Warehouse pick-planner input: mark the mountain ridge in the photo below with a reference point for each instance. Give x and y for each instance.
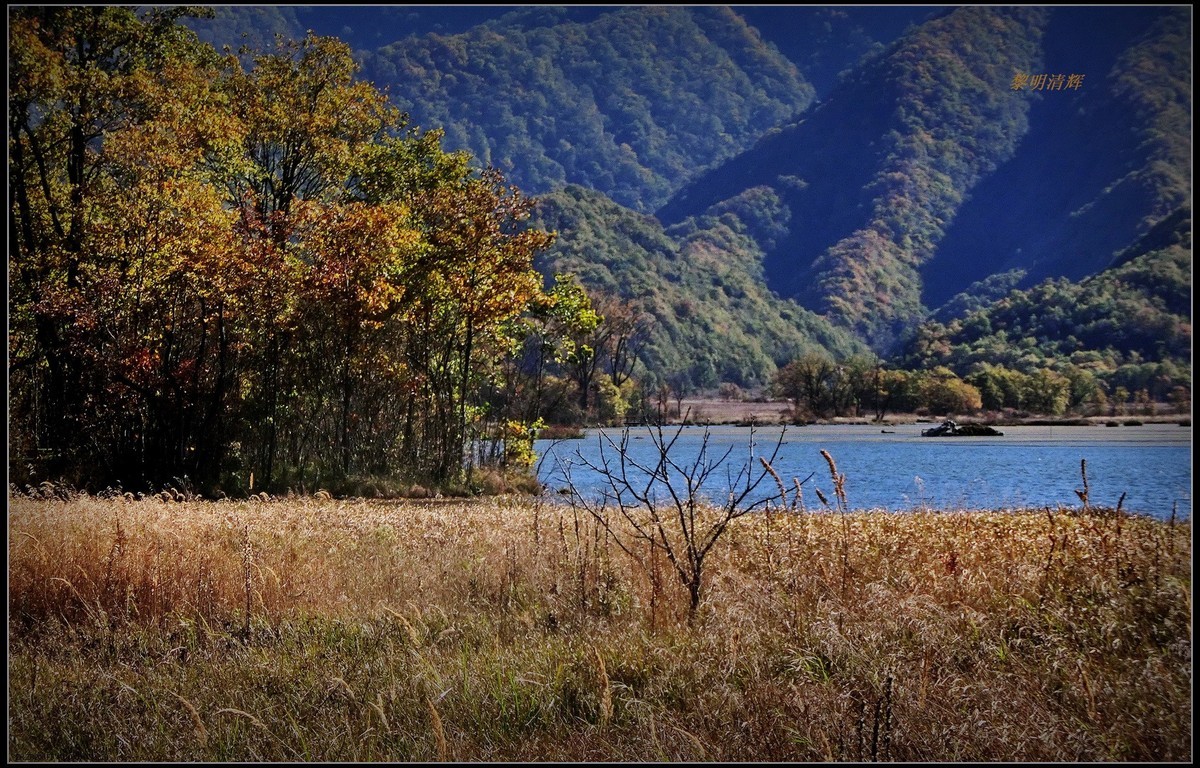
(901, 172)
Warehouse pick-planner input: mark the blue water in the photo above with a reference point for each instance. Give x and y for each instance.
(1027, 467)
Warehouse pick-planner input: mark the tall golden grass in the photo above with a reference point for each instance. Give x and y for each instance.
(501, 629)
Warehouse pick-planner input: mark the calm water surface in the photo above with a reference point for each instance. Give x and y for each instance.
(1030, 466)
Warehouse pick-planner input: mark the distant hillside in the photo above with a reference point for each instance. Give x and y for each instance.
(925, 172)
(1129, 324)
(630, 103)
(873, 174)
(1098, 167)
(707, 79)
(713, 318)
(763, 179)
(824, 42)
(362, 27)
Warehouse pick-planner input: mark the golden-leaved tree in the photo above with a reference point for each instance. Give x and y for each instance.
(220, 272)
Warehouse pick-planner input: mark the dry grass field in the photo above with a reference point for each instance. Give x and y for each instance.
(513, 629)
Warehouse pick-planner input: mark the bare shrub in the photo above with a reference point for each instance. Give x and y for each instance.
(666, 506)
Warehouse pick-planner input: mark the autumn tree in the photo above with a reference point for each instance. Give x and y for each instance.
(306, 128)
(220, 274)
(999, 387)
(1047, 392)
(407, 265)
(404, 310)
(481, 276)
(808, 382)
(943, 392)
(119, 306)
(626, 331)
(884, 390)
(546, 350)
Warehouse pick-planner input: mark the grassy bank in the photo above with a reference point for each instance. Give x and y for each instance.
(323, 630)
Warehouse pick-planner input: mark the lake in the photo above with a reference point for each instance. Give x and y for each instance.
(1029, 466)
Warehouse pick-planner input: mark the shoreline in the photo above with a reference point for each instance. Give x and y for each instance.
(713, 412)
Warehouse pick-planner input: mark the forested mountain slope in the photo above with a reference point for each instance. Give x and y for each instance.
(629, 103)
(554, 91)
(872, 176)
(1098, 167)
(927, 172)
(1130, 324)
(710, 316)
(864, 168)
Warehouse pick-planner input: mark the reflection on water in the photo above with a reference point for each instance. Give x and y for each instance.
(1030, 466)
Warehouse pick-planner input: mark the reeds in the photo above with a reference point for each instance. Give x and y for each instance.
(349, 631)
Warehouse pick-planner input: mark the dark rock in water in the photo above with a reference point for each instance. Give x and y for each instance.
(949, 428)
(978, 430)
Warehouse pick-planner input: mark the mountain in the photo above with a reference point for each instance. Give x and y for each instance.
(1118, 152)
(1131, 321)
(713, 319)
(925, 171)
(630, 100)
(826, 42)
(871, 176)
(629, 103)
(362, 27)
(766, 179)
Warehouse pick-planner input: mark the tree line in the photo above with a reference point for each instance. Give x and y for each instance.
(245, 271)
(820, 386)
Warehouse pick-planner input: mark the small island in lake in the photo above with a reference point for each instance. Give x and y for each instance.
(949, 428)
